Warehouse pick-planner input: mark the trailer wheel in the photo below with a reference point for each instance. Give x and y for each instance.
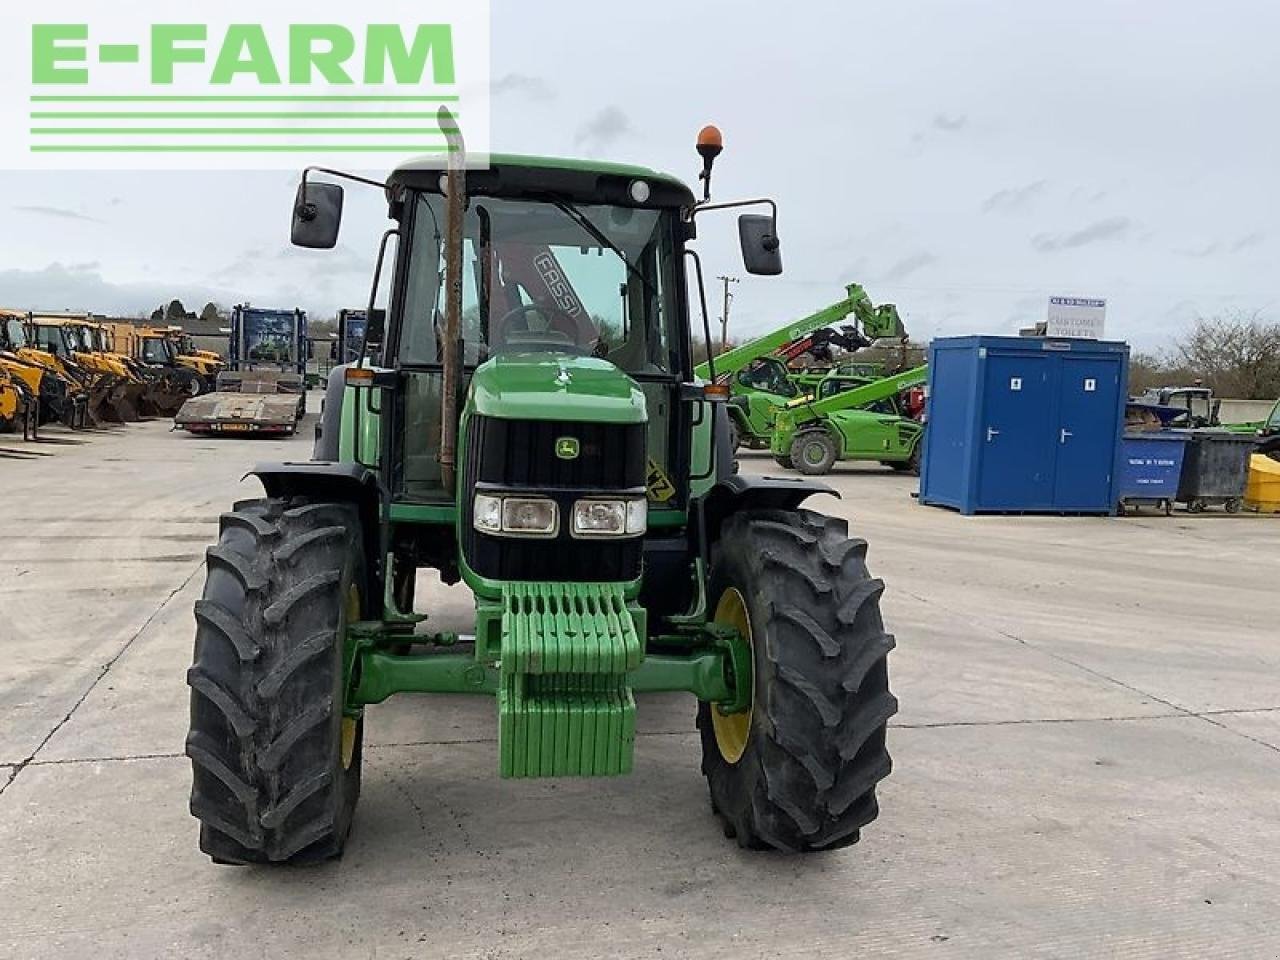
(1233, 505)
(275, 761)
(813, 452)
(798, 770)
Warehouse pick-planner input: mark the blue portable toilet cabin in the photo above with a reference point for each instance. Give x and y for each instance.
(1024, 424)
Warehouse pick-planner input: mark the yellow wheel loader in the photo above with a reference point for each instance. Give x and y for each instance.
(17, 406)
(113, 392)
(154, 356)
(61, 392)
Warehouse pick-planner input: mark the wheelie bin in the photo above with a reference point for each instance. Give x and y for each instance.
(1215, 469)
(1150, 469)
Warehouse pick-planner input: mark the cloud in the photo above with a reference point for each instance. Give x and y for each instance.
(606, 127)
(1110, 228)
(945, 121)
(58, 212)
(1208, 250)
(82, 287)
(1013, 198)
(534, 88)
(907, 266)
(1245, 242)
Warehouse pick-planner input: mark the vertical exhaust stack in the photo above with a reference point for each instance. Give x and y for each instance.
(456, 184)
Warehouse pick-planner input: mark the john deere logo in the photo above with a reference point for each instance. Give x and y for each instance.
(567, 448)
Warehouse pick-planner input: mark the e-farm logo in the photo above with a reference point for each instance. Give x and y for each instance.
(148, 84)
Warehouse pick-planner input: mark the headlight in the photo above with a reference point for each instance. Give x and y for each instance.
(529, 516)
(515, 516)
(609, 518)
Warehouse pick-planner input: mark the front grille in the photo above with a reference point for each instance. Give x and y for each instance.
(520, 455)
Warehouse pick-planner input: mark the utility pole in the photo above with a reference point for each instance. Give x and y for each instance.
(724, 317)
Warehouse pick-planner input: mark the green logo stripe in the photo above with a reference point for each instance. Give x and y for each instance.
(238, 148)
(243, 99)
(246, 131)
(225, 115)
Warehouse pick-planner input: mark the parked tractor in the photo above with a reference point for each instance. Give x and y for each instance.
(532, 428)
(263, 390)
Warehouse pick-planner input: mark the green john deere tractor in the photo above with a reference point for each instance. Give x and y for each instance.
(533, 428)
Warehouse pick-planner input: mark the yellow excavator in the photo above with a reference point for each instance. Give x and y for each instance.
(58, 388)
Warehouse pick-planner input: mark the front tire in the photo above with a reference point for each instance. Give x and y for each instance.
(799, 771)
(814, 453)
(275, 762)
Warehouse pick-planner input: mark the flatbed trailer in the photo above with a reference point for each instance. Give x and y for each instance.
(263, 391)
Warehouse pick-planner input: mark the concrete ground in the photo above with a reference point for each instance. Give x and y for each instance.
(1087, 757)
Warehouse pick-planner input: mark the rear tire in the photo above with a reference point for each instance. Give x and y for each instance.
(814, 453)
(275, 763)
(814, 749)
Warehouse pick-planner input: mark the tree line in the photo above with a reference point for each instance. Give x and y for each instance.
(1237, 354)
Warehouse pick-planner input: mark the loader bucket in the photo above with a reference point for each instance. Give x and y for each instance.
(100, 407)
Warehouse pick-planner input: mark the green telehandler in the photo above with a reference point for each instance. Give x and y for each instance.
(759, 374)
(532, 428)
(860, 421)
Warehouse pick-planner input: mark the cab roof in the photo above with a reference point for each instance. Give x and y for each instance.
(519, 175)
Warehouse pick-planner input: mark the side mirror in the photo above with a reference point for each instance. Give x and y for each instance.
(376, 331)
(761, 253)
(317, 215)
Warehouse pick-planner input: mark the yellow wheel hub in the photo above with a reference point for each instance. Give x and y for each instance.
(349, 724)
(733, 730)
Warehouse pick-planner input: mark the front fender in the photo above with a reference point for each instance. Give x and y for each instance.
(735, 493)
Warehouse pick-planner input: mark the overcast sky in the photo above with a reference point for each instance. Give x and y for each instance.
(965, 160)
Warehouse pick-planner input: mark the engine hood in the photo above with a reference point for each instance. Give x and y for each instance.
(555, 386)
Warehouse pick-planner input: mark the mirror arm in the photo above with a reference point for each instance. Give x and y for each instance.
(731, 204)
(306, 212)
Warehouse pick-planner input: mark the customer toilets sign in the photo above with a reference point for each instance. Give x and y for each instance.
(1081, 317)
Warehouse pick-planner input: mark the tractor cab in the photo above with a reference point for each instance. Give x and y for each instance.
(1196, 405)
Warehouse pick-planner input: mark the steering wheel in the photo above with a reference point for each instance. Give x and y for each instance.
(522, 313)
(524, 310)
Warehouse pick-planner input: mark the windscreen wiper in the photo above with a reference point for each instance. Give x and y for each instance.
(578, 217)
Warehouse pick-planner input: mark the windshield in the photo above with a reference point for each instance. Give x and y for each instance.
(156, 350)
(591, 279)
(1274, 422)
(268, 337)
(356, 324)
(15, 333)
(769, 375)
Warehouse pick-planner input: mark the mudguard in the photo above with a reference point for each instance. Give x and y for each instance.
(736, 492)
(333, 482)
